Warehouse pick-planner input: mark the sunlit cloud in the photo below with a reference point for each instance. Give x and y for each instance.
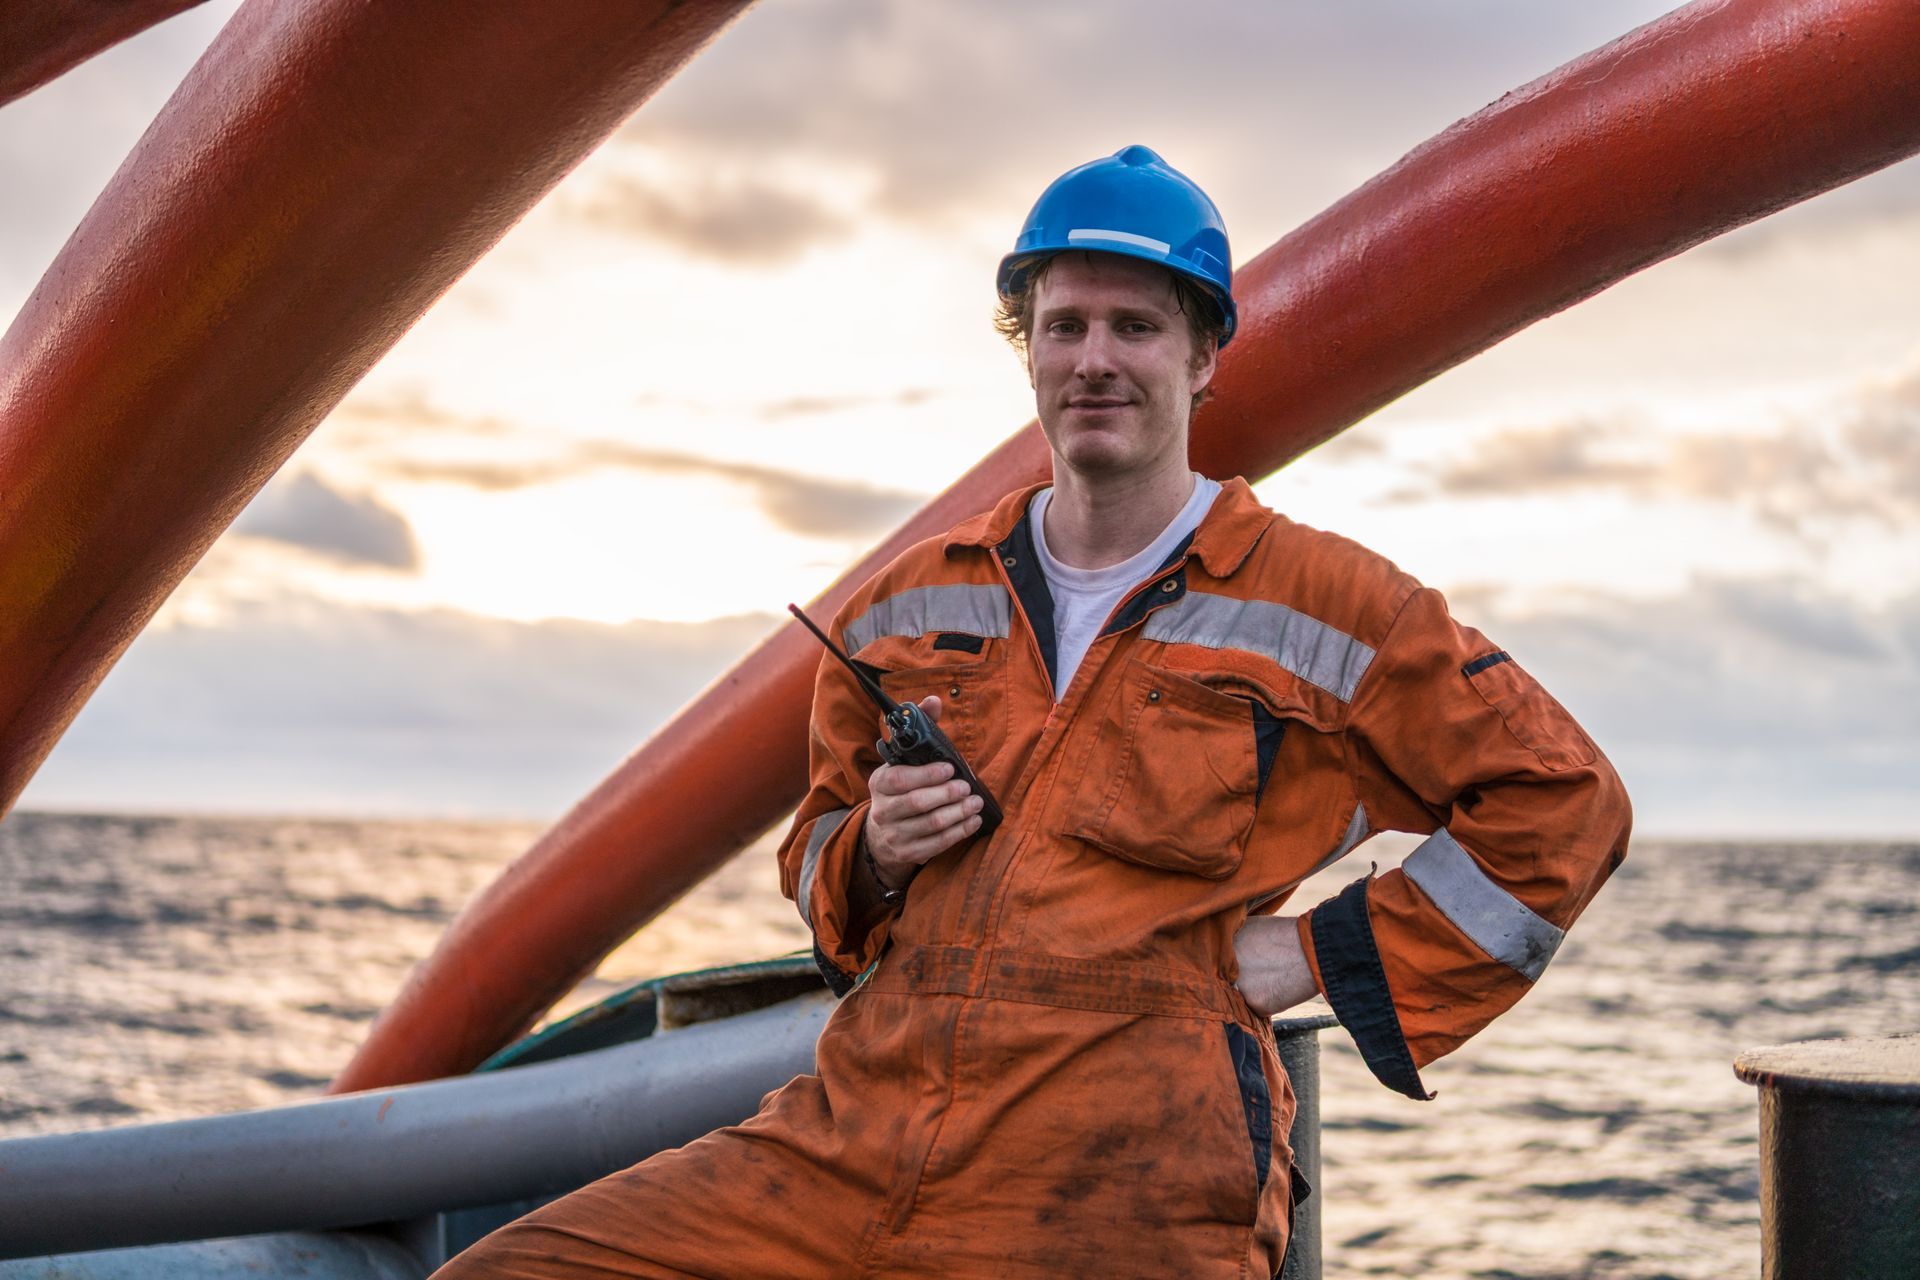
(808, 406)
(745, 223)
(1858, 459)
(1568, 456)
(812, 506)
(366, 421)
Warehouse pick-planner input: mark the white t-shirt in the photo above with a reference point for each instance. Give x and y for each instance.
(1083, 599)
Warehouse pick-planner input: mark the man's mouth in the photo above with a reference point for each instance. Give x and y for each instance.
(1098, 402)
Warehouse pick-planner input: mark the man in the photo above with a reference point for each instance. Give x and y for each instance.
(1056, 1059)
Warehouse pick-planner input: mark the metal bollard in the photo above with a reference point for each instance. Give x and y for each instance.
(1298, 1040)
(1839, 1157)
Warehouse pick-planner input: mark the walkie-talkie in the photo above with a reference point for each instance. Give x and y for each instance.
(911, 737)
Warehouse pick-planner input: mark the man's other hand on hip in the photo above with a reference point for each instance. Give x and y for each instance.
(1273, 969)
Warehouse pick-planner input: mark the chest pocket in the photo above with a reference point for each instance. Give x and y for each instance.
(1176, 773)
(973, 703)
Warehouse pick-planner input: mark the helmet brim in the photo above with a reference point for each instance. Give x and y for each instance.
(1018, 265)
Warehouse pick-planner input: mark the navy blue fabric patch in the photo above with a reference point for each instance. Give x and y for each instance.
(1357, 989)
(959, 640)
(1022, 563)
(1254, 1098)
(1164, 591)
(1269, 731)
(1478, 665)
(838, 979)
(1136, 609)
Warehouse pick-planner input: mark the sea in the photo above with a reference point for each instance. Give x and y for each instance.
(154, 968)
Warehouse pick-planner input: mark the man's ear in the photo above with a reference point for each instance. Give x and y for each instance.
(1203, 366)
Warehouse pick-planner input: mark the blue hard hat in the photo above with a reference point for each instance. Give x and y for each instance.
(1134, 203)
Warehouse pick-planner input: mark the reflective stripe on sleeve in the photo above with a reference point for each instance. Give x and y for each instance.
(977, 610)
(1317, 653)
(823, 828)
(1499, 923)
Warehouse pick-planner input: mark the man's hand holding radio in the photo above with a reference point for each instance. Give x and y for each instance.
(918, 813)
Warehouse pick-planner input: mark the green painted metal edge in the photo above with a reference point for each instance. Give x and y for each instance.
(542, 1044)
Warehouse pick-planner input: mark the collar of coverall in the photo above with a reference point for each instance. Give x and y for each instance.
(1227, 532)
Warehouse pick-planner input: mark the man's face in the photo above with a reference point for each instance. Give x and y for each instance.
(1113, 367)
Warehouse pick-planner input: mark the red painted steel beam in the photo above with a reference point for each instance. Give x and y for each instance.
(323, 174)
(43, 39)
(1710, 117)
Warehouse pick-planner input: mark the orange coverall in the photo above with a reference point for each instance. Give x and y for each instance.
(1047, 1070)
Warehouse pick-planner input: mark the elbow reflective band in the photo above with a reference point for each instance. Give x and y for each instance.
(1317, 653)
(980, 611)
(1498, 923)
(823, 828)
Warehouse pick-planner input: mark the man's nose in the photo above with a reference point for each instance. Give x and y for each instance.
(1096, 362)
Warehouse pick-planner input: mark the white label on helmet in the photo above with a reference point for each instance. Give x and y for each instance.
(1120, 237)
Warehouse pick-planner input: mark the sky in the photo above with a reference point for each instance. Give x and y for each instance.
(750, 334)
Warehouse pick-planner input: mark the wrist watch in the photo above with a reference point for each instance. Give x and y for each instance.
(891, 897)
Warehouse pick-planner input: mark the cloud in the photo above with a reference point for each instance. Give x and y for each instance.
(953, 110)
(293, 706)
(804, 504)
(1350, 446)
(1859, 459)
(366, 421)
(809, 505)
(833, 509)
(745, 222)
(1562, 457)
(1795, 618)
(1885, 429)
(807, 406)
(1737, 706)
(302, 511)
(376, 431)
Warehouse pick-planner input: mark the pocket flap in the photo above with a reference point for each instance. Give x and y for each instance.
(1173, 777)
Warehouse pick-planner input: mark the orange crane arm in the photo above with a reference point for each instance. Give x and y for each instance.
(323, 174)
(43, 39)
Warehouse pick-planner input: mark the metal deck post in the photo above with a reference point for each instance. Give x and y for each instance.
(1298, 1040)
(1839, 1157)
